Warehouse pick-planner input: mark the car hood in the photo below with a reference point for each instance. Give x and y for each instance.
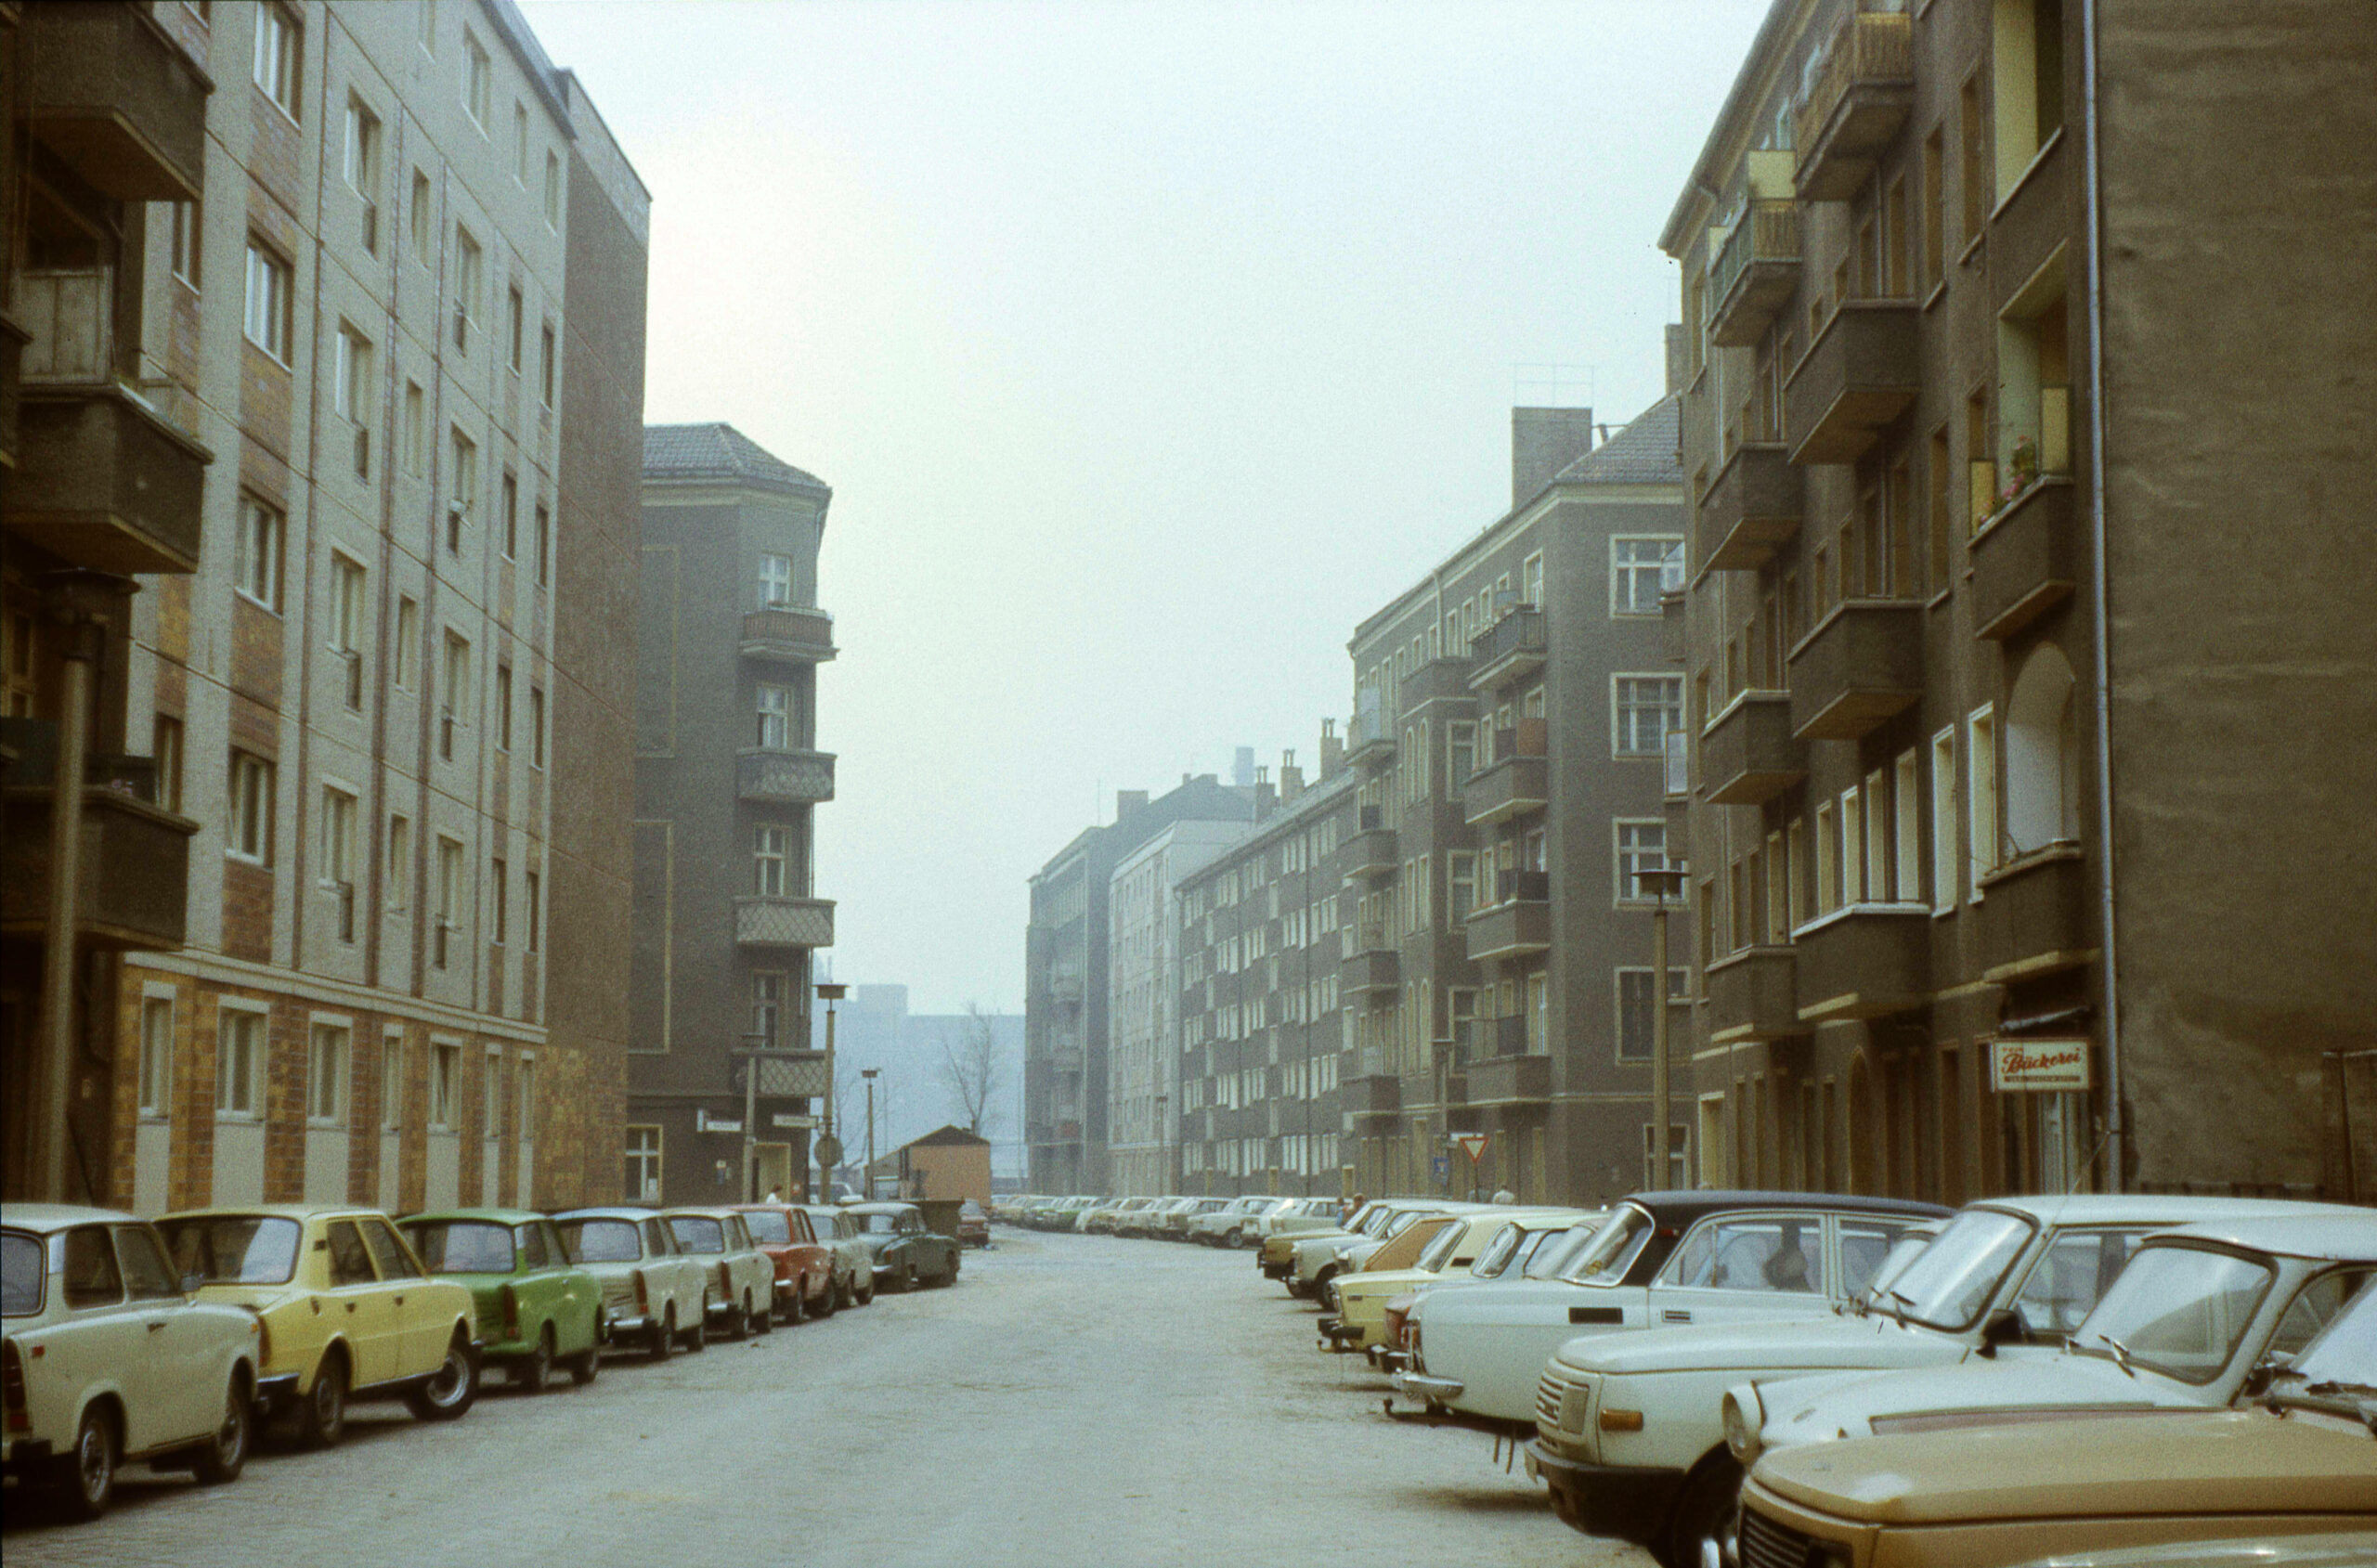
(1387, 1282)
(1817, 1343)
(1975, 1392)
(2201, 1463)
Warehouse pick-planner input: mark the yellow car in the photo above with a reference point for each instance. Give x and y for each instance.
(346, 1309)
(1360, 1322)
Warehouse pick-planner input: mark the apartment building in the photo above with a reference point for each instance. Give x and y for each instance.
(298, 342)
(1512, 710)
(2003, 719)
(1066, 980)
(1260, 1047)
(728, 777)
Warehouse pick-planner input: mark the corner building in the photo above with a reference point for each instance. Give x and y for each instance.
(1998, 737)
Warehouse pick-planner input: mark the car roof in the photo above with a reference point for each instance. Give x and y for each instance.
(2349, 1235)
(47, 1217)
(880, 1207)
(276, 1210)
(2149, 1208)
(698, 1210)
(495, 1216)
(609, 1212)
(1683, 1208)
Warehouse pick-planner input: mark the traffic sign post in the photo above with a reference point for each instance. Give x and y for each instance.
(1474, 1145)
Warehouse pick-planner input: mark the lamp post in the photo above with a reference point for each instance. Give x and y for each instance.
(829, 1146)
(866, 1172)
(1164, 1141)
(1664, 883)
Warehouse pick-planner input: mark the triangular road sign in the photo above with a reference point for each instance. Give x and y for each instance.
(1472, 1144)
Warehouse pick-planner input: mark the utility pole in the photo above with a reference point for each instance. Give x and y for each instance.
(866, 1172)
(829, 1146)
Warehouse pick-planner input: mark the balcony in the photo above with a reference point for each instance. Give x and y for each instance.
(2025, 560)
(1753, 995)
(134, 876)
(1747, 751)
(101, 481)
(1521, 923)
(1751, 506)
(788, 634)
(117, 99)
(1862, 665)
(1858, 376)
(764, 921)
(1373, 964)
(13, 338)
(1512, 648)
(1862, 93)
(1674, 606)
(1373, 1088)
(1755, 274)
(784, 778)
(1369, 740)
(1515, 1080)
(2036, 915)
(1372, 854)
(1066, 1058)
(1437, 680)
(1864, 961)
(1515, 782)
(1065, 986)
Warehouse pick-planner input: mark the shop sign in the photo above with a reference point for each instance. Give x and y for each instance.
(2039, 1065)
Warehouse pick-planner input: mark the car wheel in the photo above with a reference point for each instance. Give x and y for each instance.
(865, 1293)
(1233, 1240)
(84, 1479)
(764, 1317)
(534, 1371)
(828, 1303)
(664, 1335)
(227, 1453)
(587, 1366)
(1704, 1510)
(323, 1415)
(697, 1337)
(738, 1321)
(907, 1279)
(453, 1388)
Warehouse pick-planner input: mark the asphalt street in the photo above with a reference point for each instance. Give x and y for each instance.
(1072, 1400)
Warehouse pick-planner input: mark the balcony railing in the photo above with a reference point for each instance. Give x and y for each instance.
(1516, 783)
(2036, 916)
(764, 921)
(1862, 665)
(1753, 505)
(1519, 924)
(1864, 961)
(1369, 961)
(1512, 648)
(1857, 376)
(135, 856)
(1438, 679)
(1752, 996)
(2025, 560)
(1374, 851)
(1510, 1080)
(784, 778)
(788, 634)
(1863, 91)
(1065, 986)
(1747, 751)
(1369, 739)
(69, 315)
(1755, 273)
(103, 482)
(1066, 1058)
(116, 98)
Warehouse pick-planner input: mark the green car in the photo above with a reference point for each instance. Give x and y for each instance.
(535, 1306)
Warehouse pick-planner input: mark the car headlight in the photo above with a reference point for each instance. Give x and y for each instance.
(1745, 1413)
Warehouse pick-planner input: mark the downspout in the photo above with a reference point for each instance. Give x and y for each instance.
(2100, 601)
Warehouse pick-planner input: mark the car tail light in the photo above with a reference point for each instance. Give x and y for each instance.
(510, 1314)
(12, 1381)
(643, 1297)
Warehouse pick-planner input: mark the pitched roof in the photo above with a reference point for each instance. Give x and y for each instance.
(946, 1134)
(1646, 452)
(720, 453)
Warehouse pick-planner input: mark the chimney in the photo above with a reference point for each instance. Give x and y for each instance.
(1544, 441)
(1241, 768)
(1266, 798)
(1679, 359)
(1128, 801)
(1333, 750)
(1291, 779)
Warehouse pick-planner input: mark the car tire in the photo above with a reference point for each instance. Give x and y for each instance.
(664, 1333)
(763, 1318)
(738, 1321)
(322, 1417)
(452, 1389)
(219, 1460)
(697, 1337)
(532, 1372)
(828, 1303)
(1704, 1509)
(907, 1279)
(865, 1293)
(587, 1366)
(83, 1480)
(1233, 1240)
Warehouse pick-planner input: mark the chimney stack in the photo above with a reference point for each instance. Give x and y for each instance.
(1333, 750)
(1265, 798)
(1544, 441)
(1291, 779)
(1127, 802)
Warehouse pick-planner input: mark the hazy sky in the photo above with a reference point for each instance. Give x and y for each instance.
(1147, 347)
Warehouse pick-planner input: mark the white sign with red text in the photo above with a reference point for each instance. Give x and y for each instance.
(2038, 1066)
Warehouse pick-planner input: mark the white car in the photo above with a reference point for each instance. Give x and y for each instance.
(740, 1280)
(853, 1261)
(1661, 1258)
(109, 1359)
(651, 1293)
(1230, 1225)
(1629, 1429)
(1509, 1255)
(1314, 1261)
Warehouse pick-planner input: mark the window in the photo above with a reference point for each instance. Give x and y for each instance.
(767, 1005)
(338, 856)
(519, 143)
(536, 726)
(478, 74)
(270, 293)
(425, 15)
(400, 874)
(18, 636)
(1646, 708)
(445, 1070)
(1935, 209)
(422, 218)
(189, 239)
(326, 1065)
(516, 328)
(457, 704)
(278, 34)
(469, 266)
(1907, 847)
(1974, 175)
(545, 546)
(775, 581)
(533, 905)
(545, 365)
(770, 849)
(256, 552)
(466, 488)
(643, 1165)
(511, 502)
(249, 832)
(166, 749)
(776, 717)
(1531, 581)
(1642, 846)
(1765, 1255)
(1638, 569)
(407, 671)
(392, 1081)
(1980, 823)
(449, 893)
(2027, 85)
(156, 1057)
(239, 1063)
(504, 708)
(499, 877)
(553, 193)
(363, 168)
(2042, 748)
(415, 429)
(351, 386)
(1945, 808)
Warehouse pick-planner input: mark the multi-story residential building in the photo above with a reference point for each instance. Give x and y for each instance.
(2027, 809)
(1262, 1032)
(727, 782)
(1143, 996)
(911, 1053)
(343, 276)
(1065, 981)
(1511, 718)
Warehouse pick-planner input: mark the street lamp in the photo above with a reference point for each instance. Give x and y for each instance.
(1164, 1141)
(1664, 884)
(829, 1148)
(866, 1172)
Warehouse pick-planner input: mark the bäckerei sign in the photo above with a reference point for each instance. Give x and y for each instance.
(2038, 1066)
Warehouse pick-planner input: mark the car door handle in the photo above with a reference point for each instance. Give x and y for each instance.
(350, 1306)
(1674, 1315)
(156, 1326)
(400, 1301)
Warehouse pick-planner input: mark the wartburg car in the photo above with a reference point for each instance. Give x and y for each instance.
(906, 1254)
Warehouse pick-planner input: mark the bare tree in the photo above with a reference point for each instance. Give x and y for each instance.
(971, 1069)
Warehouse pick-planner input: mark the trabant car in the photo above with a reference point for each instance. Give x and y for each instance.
(1361, 1297)
(1629, 1429)
(1661, 1258)
(1109, 1217)
(2303, 1460)
(109, 1359)
(906, 1254)
(652, 1293)
(741, 1278)
(1396, 1253)
(536, 1309)
(1317, 1260)
(1227, 1224)
(1299, 1215)
(1292, 1253)
(1156, 1220)
(853, 1258)
(347, 1312)
(804, 1265)
(1511, 1253)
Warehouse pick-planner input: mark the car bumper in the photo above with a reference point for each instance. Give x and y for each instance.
(617, 1329)
(1385, 1360)
(1277, 1271)
(276, 1393)
(1338, 1334)
(1428, 1390)
(1630, 1502)
(27, 1455)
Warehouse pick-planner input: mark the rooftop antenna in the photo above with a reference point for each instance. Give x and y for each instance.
(1551, 385)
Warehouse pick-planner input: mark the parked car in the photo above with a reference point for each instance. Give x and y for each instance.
(347, 1311)
(1314, 1260)
(1227, 1224)
(1630, 1435)
(1703, 1258)
(1396, 1253)
(535, 1308)
(2303, 1461)
(1361, 1298)
(110, 1360)
(1509, 1255)
(973, 1225)
(1109, 1218)
(906, 1255)
(1275, 1253)
(741, 1278)
(1299, 1215)
(653, 1292)
(2343, 1549)
(1153, 1220)
(853, 1258)
(804, 1265)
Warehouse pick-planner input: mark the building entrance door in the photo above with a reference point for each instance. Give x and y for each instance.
(772, 1171)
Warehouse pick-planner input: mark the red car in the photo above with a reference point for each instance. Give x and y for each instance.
(804, 1265)
(973, 1225)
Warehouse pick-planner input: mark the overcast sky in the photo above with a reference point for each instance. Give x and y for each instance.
(1147, 347)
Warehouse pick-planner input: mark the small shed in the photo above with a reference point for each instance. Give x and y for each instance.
(947, 1162)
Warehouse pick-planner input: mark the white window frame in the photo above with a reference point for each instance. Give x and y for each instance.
(269, 321)
(775, 570)
(158, 1014)
(648, 1157)
(1622, 857)
(330, 1040)
(445, 1083)
(1624, 565)
(241, 1098)
(392, 1080)
(249, 809)
(479, 71)
(279, 52)
(1980, 796)
(1947, 811)
(256, 552)
(772, 731)
(1618, 709)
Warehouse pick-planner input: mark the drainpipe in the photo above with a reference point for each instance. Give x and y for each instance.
(2099, 604)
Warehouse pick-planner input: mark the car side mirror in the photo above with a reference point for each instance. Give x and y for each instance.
(191, 1281)
(2004, 1328)
(2265, 1372)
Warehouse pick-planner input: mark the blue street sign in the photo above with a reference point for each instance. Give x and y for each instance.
(1441, 1166)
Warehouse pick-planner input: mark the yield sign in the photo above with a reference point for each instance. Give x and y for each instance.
(1472, 1144)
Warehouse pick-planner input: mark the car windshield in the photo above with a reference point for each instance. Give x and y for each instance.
(1604, 1259)
(462, 1246)
(769, 1228)
(234, 1249)
(601, 1241)
(1903, 1251)
(2341, 1361)
(695, 1233)
(879, 1225)
(1951, 1283)
(21, 1275)
(1551, 1257)
(1498, 1251)
(2179, 1310)
(1438, 1253)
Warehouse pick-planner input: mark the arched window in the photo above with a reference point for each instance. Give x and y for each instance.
(2043, 753)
